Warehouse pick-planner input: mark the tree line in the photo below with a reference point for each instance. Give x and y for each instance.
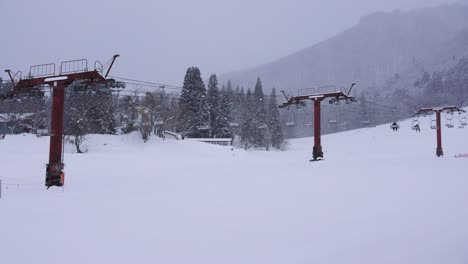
(227, 112)
(196, 112)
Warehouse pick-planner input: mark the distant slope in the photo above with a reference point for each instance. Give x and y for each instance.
(378, 47)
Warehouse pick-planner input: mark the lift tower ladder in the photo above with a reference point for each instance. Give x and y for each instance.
(317, 98)
(438, 111)
(67, 76)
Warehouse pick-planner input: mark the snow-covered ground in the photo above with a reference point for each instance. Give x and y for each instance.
(379, 197)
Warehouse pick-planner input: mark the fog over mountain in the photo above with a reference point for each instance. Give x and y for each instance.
(159, 40)
(380, 46)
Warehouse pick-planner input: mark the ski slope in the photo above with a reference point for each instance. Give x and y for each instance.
(379, 197)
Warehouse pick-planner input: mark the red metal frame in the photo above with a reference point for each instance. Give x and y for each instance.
(11, 76)
(54, 170)
(438, 111)
(112, 64)
(317, 152)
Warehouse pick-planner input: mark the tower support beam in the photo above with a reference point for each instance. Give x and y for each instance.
(317, 150)
(317, 98)
(438, 112)
(54, 170)
(439, 151)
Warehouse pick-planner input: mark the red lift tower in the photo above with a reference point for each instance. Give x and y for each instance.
(71, 72)
(438, 111)
(317, 98)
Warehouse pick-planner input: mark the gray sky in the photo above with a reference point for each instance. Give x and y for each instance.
(158, 40)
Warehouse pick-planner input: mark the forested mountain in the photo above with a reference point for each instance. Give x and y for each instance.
(399, 60)
(373, 51)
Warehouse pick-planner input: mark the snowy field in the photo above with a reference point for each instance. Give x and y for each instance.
(379, 197)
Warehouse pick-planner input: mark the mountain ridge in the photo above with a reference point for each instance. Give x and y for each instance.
(379, 46)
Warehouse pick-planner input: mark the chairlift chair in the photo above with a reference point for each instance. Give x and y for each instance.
(433, 122)
(449, 119)
(159, 122)
(334, 101)
(291, 118)
(290, 124)
(462, 118)
(305, 120)
(449, 123)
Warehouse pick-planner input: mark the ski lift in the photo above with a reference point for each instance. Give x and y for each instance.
(300, 105)
(433, 122)
(334, 120)
(159, 122)
(334, 101)
(365, 122)
(291, 119)
(203, 127)
(234, 124)
(305, 121)
(449, 119)
(42, 132)
(344, 125)
(262, 126)
(462, 118)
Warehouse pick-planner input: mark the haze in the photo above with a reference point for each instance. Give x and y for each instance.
(158, 40)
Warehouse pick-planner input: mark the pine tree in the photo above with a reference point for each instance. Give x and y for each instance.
(224, 117)
(259, 112)
(248, 123)
(275, 131)
(194, 113)
(214, 105)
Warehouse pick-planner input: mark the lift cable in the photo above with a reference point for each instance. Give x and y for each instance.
(147, 83)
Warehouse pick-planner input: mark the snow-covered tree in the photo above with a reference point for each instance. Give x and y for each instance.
(248, 127)
(194, 120)
(224, 116)
(128, 113)
(259, 112)
(214, 105)
(275, 131)
(77, 111)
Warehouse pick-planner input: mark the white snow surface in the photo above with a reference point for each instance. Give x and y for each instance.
(378, 197)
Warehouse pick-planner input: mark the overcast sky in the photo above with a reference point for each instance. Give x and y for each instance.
(158, 40)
